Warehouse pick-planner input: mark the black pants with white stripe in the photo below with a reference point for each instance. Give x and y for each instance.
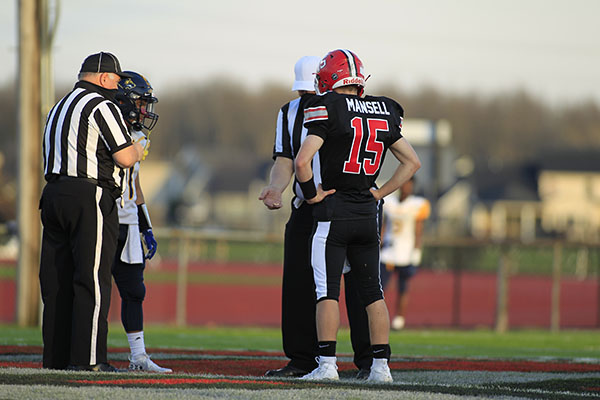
(78, 247)
(298, 319)
(334, 242)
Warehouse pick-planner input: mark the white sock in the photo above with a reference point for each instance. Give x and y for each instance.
(330, 360)
(136, 344)
(379, 362)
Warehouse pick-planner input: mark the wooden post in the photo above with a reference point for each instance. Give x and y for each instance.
(221, 250)
(555, 303)
(598, 294)
(182, 282)
(456, 287)
(30, 165)
(502, 286)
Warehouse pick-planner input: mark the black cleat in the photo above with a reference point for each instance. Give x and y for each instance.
(286, 372)
(363, 374)
(101, 367)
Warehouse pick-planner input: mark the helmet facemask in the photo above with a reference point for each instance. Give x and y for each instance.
(137, 102)
(146, 117)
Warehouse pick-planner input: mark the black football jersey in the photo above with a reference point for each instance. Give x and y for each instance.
(357, 133)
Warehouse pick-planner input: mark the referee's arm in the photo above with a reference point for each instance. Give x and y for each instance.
(114, 132)
(127, 157)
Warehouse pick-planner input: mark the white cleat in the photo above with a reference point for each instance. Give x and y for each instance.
(144, 363)
(380, 373)
(325, 371)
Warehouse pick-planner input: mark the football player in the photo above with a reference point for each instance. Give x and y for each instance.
(401, 251)
(351, 134)
(136, 100)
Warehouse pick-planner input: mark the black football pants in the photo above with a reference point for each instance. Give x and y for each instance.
(357, 241)
(298, 319)
(78, 246)
(130, 282)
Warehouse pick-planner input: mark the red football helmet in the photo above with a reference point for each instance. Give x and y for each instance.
(339, 68)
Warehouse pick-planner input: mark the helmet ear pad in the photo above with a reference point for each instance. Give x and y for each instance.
(130, 111)
(134, 118)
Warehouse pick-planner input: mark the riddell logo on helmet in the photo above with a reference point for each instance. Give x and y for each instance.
(353, 81)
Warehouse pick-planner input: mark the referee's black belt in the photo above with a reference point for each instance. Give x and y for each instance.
(57, 178)
(115, 191)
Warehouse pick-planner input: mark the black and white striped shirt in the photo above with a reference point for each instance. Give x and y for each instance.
(289, 135)
(82, 132)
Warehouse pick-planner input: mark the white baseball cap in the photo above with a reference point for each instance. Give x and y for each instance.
(305, 69)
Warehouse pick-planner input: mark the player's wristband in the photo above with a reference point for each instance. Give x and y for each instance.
(143, 217)
(308, 188)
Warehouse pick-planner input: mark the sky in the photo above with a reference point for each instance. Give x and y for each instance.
(550, 48)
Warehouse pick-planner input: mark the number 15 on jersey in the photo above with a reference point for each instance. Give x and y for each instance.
(355, 162)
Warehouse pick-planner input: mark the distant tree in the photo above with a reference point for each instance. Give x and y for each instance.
(579, 125)
(221, 120)
(505, 128)
(8, 137)
(8, 153)
(225, 122)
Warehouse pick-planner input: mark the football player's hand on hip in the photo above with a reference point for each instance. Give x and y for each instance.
(321, 194)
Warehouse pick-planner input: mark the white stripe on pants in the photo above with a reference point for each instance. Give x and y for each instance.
(318, 262)
(97, 294)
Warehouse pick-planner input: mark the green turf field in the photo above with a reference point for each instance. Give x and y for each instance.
(229, 363)
(443, 343)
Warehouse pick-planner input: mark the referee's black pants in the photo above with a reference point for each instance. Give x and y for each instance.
(298, 305)
(78, 247)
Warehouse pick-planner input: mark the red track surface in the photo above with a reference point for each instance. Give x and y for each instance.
(433, 299)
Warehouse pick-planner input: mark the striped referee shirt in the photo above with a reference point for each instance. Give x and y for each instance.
(289, 135)
(82, 132)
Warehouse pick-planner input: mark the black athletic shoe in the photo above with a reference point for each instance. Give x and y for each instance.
(102, 367)
(286, 372)
(363, 374)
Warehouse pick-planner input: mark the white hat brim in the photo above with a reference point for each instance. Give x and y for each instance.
(304, 85)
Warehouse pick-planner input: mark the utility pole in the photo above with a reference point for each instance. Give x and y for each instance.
(48, 24)
(29, 127)
(35, 39)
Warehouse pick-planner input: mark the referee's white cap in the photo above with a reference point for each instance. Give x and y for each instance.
(305, 69)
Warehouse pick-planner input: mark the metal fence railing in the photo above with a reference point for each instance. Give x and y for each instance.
(554, 259)
(551, 258)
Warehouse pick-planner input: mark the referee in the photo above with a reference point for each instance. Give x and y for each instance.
(85, 145)
(298, 320)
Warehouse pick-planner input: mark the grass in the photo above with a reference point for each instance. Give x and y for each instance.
(413, 382)
(427, 343)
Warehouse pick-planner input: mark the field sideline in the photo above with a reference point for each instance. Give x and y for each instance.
(229, 362)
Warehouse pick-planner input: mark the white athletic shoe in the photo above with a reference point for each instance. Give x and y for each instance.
(144, 363)
(380, 372)
(325, 371)
(398, 323)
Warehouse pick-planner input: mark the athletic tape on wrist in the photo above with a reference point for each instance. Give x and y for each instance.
(144, 217)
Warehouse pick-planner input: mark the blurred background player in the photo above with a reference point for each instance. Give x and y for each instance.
(136, 101)
(351, 135)
(298, 319)
(401, 252)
